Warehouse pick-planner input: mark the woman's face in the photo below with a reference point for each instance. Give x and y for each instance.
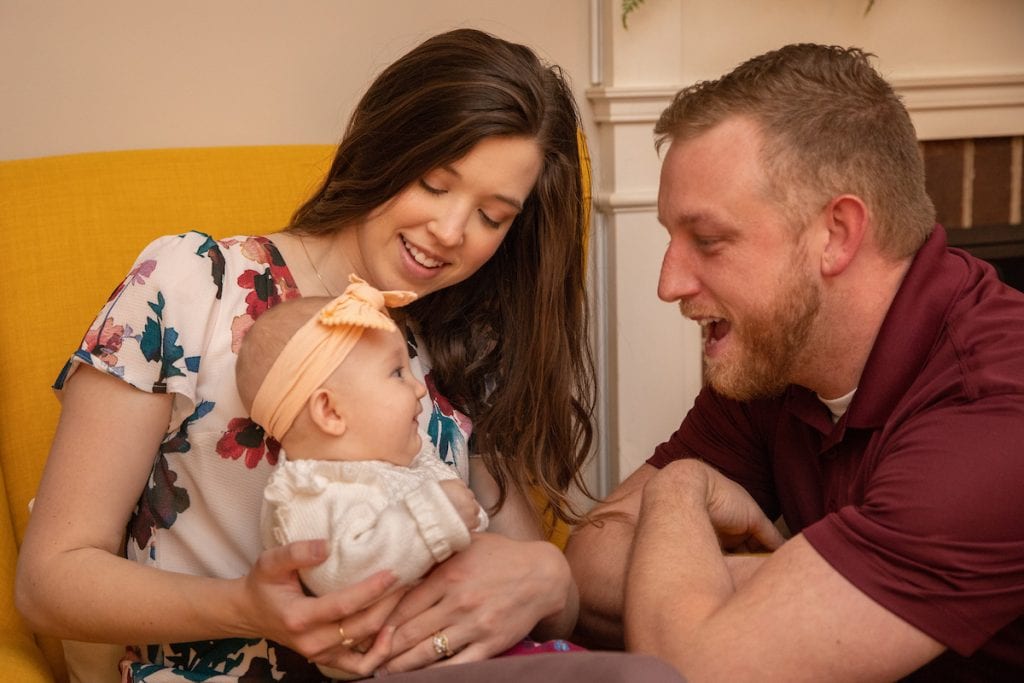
(442, 228)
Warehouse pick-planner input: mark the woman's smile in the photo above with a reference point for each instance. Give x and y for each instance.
(421, 256)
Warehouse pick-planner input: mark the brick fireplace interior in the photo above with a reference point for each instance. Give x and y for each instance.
(975, 184)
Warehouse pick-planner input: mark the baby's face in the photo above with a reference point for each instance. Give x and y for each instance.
(380, 398)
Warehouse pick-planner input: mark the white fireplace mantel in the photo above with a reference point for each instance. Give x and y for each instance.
(958, 66)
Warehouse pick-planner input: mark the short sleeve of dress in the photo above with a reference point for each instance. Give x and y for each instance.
(150, 331)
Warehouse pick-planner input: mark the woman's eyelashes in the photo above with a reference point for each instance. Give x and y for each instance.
(491, 222)
(430, 188)
(488, 220)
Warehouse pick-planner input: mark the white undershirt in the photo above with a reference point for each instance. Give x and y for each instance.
(838, 406)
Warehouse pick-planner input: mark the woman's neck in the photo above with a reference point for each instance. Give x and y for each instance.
(317, 262)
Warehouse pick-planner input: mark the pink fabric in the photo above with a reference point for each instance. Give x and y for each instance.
(532, 647)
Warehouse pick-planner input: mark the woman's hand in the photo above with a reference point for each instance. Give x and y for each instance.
(483, 600)
(278, 609)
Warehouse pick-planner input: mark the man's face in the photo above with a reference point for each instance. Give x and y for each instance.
(735, 263)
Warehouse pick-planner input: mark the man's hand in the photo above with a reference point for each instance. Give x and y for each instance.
(794, 618)
(736, 518)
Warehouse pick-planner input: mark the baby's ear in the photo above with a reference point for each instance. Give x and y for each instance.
(325, 411)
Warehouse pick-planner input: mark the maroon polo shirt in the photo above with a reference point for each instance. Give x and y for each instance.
(916, 496)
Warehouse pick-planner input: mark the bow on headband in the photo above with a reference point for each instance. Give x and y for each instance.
(318, 348)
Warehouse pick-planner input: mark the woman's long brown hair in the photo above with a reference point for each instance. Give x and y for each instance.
(510, 344)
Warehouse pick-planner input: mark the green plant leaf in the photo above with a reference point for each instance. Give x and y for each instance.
(627, 7)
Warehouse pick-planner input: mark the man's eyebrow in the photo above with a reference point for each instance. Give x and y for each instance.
(511, 201)
(701, 218)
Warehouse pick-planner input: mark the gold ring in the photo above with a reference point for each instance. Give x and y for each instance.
(441, 645)
(345, 641)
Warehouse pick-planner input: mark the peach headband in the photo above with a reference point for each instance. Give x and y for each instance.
(317, 349)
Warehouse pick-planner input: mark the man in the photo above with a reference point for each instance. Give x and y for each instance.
(865, 385)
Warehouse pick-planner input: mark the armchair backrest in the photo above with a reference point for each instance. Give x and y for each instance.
(72, 226)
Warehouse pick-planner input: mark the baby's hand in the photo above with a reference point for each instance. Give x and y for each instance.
(463, 499)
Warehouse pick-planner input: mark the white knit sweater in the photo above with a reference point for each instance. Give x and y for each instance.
(374, 515)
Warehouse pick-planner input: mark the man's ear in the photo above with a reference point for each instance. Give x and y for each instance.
(846, 218)
(325, 412)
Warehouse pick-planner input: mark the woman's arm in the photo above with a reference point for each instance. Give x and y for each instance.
(73, 583)
(519, 519)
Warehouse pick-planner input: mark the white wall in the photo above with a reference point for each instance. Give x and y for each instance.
(958, 64)
(911, 37)
(113, 74)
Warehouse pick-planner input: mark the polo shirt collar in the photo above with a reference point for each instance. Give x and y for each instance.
(907, 335)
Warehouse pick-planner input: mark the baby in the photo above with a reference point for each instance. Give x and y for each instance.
(330, 380)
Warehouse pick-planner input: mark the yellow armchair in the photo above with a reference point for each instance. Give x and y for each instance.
(72, 225)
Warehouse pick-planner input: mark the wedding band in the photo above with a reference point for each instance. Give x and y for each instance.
(345, 641)
(441, 645)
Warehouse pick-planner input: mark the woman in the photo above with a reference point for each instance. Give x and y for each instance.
(458, 178)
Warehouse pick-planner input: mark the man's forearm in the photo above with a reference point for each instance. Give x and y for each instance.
(678, 576)
(598, 551)
(600, 574)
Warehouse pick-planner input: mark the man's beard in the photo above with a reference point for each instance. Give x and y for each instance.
(767, 343)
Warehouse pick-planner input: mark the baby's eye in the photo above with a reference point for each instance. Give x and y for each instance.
(398, 372)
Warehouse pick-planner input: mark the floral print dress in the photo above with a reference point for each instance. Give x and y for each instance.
(174, 326)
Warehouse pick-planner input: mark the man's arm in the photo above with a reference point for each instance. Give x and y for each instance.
(796, 618)
(598, 554)
(598, 551)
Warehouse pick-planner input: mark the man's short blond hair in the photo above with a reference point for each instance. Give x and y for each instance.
(831, 125)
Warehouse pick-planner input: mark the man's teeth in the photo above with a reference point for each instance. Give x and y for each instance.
(707, 326)
(422, 258)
